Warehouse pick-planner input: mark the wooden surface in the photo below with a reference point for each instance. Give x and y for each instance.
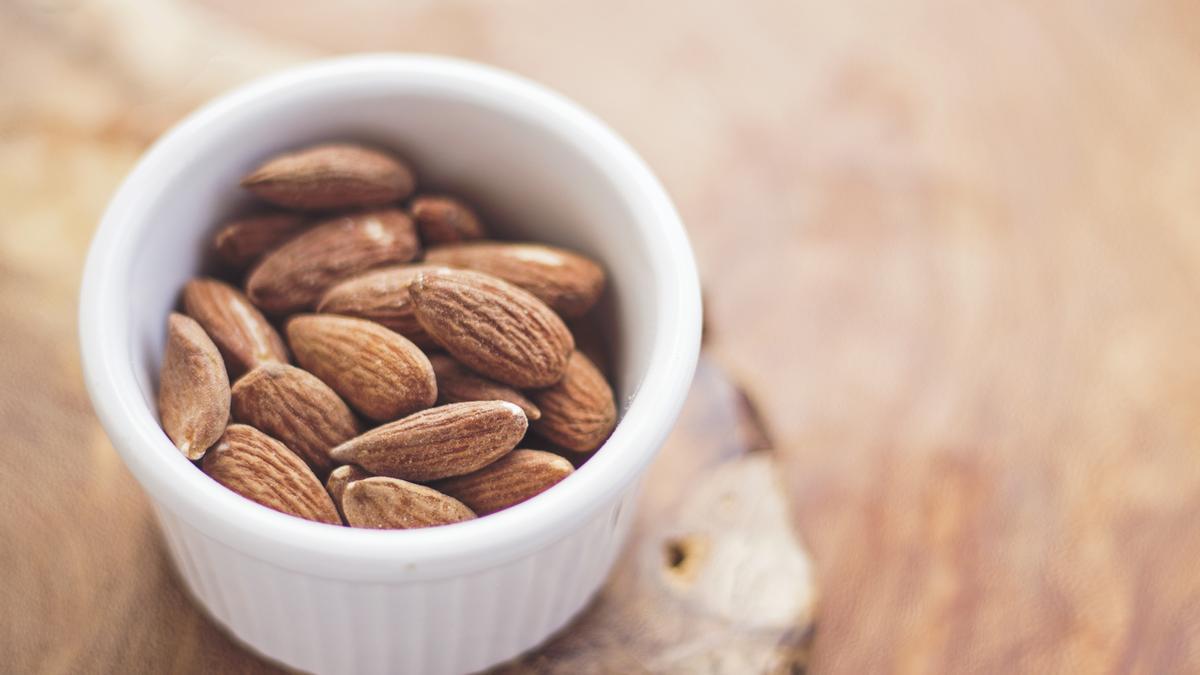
(951, 249)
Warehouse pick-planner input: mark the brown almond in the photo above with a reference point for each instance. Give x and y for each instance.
(242, 241)
(380, 295)
(379, 372)
(391, 504)
(579, 412)
(331, 176)
(457, 384)
(341, 477)
(297, 408)
(193, 388)
(510, 480)
(445, 220)
(449, 440)
(295, 275)
(263, 470)
(242, 334)
(566, 281)
(493, 327)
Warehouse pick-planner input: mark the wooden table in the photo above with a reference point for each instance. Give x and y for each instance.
(951, 250)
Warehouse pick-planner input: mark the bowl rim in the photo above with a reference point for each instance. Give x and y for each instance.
(314, 548)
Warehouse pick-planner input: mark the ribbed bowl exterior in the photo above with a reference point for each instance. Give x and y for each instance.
(459, 624)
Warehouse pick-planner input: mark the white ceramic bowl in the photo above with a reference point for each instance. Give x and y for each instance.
(441, 600)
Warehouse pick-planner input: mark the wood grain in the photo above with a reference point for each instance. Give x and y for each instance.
(951, 248)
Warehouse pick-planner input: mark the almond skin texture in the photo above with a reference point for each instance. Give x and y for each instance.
(579, 412)
(566, 281)
(239, 330)
(339, 479)
(193, 388)
(263, 470)
(445, 220)
(510, 480)
(457, 384)
(331, 176)
(493, 327)
(381, 296)
(380, 373)
(391, 504)
(449, 440)
(240, 242)
(297, 408)
(294, 276)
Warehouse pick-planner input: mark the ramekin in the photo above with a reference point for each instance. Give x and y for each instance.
(443, 600)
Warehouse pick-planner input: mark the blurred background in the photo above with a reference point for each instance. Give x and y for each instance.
(951, 254)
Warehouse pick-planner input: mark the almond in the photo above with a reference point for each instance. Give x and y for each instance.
(493, 327)
(240, 331)
(263, 470)
(331, 176)
(444, 220)
(293, 276)
(339, 479)
(450, 440)
(566, 281)
(456, 384)
(391, 504)
(579, 412)
(510, 480)
(381, 296)
(241, 242)
(380, 373)
(193, 388)
(297, 408)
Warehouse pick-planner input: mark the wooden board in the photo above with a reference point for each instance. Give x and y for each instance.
(951, 249)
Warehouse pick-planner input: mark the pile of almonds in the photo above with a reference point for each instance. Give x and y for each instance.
(415, 353)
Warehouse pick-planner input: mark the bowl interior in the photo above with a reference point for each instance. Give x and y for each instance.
(529, 183)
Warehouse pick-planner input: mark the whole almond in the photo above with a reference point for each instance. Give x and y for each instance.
(510, 480)
(457, 384)
(579, 412)
(493, 327)
(379, 372)
(331, 176)
(341, 477)
(392, 504)
(239, 330)
(449, 440)
(297, 408)
(193, 388)
(380, 295)
(263, 470)
(445, 220)
(295, 275)
(566, 281)
(242, 241)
